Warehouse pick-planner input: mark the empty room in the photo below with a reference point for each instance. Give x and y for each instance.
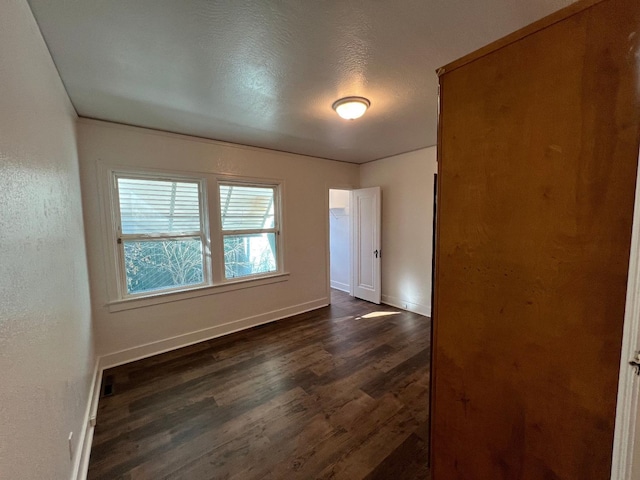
(319, 240)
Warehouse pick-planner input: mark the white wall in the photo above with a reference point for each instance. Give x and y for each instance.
(339, 240)
(46, 354)
(150, 329)
(407, 226)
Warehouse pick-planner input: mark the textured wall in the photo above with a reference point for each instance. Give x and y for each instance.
(407, 226)
(46, 354)
(305, 211)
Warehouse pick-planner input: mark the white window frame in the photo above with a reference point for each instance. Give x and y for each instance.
(277, 223)
(215, 281)
(120, 237)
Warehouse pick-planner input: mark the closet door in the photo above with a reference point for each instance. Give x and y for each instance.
(538, 151)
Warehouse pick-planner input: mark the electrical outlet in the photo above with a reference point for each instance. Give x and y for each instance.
(70, 445)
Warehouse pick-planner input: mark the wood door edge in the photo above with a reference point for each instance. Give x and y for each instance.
(549, 20)
(434, 306)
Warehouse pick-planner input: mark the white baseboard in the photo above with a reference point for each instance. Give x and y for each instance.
(83, 447)
(154, 348)
(343, 287)
(404, 304)
(81, 463)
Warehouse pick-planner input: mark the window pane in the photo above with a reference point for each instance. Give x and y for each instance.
(158, 206)
(161, 264)
(244, 208)
(249, 254)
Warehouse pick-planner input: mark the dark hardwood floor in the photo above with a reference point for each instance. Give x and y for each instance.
(328, 394)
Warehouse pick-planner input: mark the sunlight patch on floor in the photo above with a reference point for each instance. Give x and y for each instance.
(377, 314)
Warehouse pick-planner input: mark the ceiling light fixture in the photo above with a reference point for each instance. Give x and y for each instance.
(351, 108)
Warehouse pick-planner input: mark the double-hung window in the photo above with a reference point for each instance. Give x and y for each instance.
(165, 242)
(249, 228)
(160, 234)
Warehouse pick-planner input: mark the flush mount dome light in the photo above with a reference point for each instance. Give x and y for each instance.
(351, 108)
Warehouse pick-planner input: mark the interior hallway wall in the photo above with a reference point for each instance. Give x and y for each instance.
(407, 226)
(46, 353)
(339, 239)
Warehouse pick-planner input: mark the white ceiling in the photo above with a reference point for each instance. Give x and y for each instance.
(265, 73)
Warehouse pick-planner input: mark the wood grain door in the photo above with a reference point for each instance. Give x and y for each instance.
(537, 164)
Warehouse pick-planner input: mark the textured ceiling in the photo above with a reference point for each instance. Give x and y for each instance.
(265, 73)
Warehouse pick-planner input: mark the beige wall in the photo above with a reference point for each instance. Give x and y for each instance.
(147, 330)
(46, 354)
(407, 226)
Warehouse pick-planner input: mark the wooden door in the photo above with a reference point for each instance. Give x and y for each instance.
(537, 164)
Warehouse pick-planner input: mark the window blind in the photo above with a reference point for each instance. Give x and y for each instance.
(246, 207)
(158, 206)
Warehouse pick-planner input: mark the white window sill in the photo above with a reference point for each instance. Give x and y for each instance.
(166, 297)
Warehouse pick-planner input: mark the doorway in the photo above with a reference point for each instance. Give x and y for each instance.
(340, 239)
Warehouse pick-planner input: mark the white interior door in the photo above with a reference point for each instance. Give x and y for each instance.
(365, 269)
(626, 443)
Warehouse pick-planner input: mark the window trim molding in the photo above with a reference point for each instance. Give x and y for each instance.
(277, 186)
(204, 233)
(195, 292)
(106, 171)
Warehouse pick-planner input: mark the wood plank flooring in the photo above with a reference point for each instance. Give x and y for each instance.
(329, 394)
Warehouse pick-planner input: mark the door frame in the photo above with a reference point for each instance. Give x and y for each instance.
(327, 189)
(628, 382)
